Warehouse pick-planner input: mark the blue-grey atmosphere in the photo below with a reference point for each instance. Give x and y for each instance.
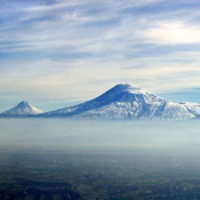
(56, 53)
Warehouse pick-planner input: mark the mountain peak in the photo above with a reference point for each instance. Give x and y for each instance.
(23, 108)
(129, 88)
(120, 98)
(123, 86)
(23, 103)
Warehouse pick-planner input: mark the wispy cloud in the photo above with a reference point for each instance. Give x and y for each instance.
(67, 49)
(173, 33)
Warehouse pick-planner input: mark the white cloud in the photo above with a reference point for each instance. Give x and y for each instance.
(173, 33)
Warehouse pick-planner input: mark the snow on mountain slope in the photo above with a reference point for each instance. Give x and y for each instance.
(126, 102)
(122, 93)
(194, 108)
(23, 108)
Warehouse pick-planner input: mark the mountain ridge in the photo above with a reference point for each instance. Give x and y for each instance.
(122, 101)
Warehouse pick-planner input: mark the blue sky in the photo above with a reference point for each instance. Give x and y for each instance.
(55, 53)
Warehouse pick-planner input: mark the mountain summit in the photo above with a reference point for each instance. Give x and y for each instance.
(127, 102)
(23, 108)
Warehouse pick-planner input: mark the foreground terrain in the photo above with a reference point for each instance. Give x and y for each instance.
(64, 175)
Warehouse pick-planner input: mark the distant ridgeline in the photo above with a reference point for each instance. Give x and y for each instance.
(120, 102)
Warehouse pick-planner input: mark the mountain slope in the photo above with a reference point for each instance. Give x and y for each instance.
(23, 108)
(126, 102)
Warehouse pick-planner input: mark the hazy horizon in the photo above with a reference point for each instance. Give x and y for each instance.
(99, 135)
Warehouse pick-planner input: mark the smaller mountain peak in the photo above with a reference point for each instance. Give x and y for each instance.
(23, 103)
(23, 108)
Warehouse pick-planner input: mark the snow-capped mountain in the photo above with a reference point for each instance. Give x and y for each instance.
(126, 102)
(23, 108)
(120, 102)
